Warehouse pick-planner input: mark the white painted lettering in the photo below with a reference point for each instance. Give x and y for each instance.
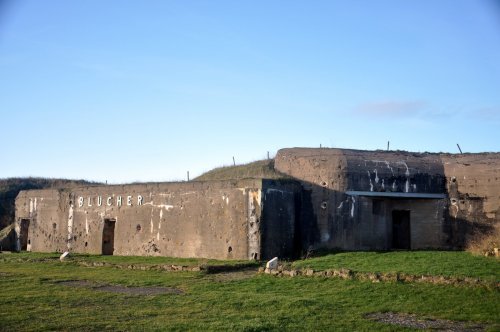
(98, 200)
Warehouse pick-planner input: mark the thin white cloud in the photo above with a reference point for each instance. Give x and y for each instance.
(392, 108)
(488, 113)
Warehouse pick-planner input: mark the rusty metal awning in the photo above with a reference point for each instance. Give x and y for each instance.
(395, 194)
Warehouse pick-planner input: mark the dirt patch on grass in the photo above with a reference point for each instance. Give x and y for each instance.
(76, 283)
(413, 321)
(121, 289)
(139, 290)
(234, 275)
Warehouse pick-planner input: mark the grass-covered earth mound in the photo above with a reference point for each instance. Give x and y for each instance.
(258, 169)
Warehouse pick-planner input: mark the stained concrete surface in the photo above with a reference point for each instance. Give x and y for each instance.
(334, 199)
(349, 195)
(216, 219)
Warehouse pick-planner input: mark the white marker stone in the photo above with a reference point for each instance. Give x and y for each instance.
(272, 264)
(63, 256)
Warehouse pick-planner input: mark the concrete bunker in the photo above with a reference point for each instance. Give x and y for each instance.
(213, 219)
(330, 199)
(383, 200)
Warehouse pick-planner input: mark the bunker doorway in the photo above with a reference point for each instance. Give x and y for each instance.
(23, 234)
(108, 237)
(401, 229)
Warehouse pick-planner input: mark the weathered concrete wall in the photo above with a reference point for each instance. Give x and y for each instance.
(472, 178)
(323, 177)
(473, 186)
(341, 185)
(398, 171)
(343, 170)
(181, 220)
(47, 214)
(171, 219)
(348, 199)
(220, 220)
(426, 222)
(373, 229)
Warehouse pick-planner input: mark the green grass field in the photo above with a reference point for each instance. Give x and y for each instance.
(32, 299)
(439, 263)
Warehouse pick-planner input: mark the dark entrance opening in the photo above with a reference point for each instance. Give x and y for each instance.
(23, 236)
(401, 229)
(108, 237)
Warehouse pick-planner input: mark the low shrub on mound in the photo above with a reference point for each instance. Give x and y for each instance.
(486, 244)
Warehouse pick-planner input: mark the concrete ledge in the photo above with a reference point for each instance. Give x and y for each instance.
(395, 194)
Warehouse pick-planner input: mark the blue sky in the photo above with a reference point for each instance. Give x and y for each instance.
(146, 90)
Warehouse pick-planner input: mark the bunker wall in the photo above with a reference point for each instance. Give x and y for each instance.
(337, 214)
(45, 213)
(473, 186)
(194, 219)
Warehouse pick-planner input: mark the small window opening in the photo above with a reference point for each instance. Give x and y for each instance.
(230, 249)
(138, 228)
